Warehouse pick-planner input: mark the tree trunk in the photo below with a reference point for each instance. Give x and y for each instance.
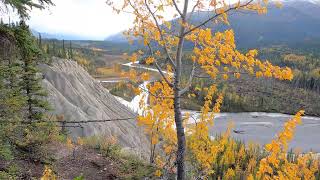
(180, 136)
(178, 115)
(181, 172)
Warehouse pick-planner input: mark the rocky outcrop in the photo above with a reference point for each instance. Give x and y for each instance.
(73, 93)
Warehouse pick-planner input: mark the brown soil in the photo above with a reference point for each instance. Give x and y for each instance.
(69, 164)
(27, 168)
(86, 162)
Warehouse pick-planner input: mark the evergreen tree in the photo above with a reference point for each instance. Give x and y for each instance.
(48, 49)
(63, 50)
(23, 127)
(40, 41)
(22, 104)
(70, 51)
(54, 51)
(31, 84)
(11, 99)
(23, 6)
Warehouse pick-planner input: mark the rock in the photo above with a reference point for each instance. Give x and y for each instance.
(73, 93)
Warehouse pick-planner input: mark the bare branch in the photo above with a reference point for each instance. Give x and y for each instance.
(194, 8)
(180, 47)
(161, 35)
(159, 68)
(177, 8)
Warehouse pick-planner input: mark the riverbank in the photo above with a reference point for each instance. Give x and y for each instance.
(258, 127)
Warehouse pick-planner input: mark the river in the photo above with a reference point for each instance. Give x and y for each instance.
(258, 127)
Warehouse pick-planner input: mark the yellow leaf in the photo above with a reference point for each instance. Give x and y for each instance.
(149, 60)
(158, 173)
(145, 76)
(69, 143)
(160, 8)
(237, 75)
(225, 76)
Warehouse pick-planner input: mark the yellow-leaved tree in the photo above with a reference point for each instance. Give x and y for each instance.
(164, 27)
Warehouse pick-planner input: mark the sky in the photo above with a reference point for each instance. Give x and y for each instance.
(85, 19)
(91, 19)
(88, 19)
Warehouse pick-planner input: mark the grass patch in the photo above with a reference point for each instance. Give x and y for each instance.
(134, 168)
(122, 90)
(129, 166)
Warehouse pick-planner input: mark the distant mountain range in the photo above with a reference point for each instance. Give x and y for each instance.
(119, 37)
(296, 21)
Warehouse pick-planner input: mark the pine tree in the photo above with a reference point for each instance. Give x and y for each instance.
(70, 51)
(31, 84)
(23, 7)
(11, 100)
(63, 50)
(48, 49)
(54, 51)
(22, 102)
(40, 41)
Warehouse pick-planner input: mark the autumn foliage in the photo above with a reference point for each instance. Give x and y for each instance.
(174, 140)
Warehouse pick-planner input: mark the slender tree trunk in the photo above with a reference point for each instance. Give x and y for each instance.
(181, 137)
(178, 117)
(181, 172)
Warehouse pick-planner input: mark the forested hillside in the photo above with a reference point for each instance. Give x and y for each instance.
(251, 94)
(286, 23)
(36, 111)
(287, 35)
(25, 127)
(45, 106)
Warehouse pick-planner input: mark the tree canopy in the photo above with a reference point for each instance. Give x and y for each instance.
(164, 27)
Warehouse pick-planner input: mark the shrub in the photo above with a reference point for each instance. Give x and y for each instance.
(108, 147)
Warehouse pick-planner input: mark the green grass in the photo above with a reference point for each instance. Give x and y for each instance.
(129, 165)
(123, 91)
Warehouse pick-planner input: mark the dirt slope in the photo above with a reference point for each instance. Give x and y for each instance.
(75, 94)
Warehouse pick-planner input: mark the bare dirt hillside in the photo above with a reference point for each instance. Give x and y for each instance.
(74, 94)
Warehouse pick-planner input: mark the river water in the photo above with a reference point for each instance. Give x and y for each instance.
(262, 127)
(258, 127)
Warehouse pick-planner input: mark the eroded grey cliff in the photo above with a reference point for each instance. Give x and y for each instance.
(73, 93)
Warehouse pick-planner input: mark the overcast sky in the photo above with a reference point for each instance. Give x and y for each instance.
(91, 19)
(87, 18)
